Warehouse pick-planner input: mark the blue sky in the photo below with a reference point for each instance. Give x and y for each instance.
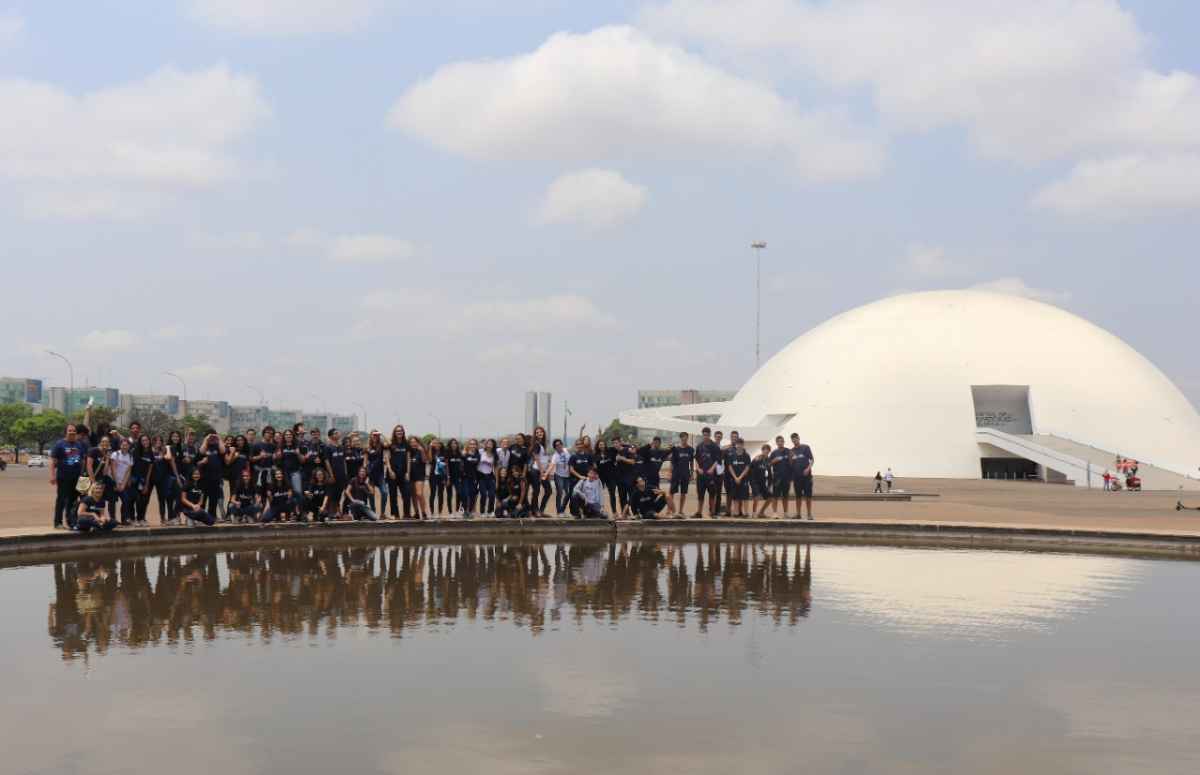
(321, 198)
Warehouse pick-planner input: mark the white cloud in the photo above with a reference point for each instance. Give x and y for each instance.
(1015, 286)
(119, 151)
(369, 249)
(545, 315)
(172, 333)
(231, 242)
(12, 28)
(594, 197)
(200, 371)
(111, 340)
(1125, 186)
(614, 93)
(1029, 79)
(928, 261)
(283, 17)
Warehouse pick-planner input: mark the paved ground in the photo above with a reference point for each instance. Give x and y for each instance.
(27, 501)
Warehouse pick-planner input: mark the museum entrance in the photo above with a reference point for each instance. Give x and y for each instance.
(1008, 468)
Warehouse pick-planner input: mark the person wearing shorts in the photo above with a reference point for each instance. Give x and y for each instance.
(708, 457)
(737, 469)
(780, 461)
(802, 479)
(759, 486)
(682, 456)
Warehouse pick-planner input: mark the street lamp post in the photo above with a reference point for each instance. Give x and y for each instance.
(181, 382)
(438, 420)
(758, 248)
(364, 413)
(566, 415)
(262, 398)
(71, 373)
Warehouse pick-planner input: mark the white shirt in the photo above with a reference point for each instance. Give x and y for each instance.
(121, 462)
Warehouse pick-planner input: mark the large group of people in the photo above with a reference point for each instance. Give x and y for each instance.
(105, 478)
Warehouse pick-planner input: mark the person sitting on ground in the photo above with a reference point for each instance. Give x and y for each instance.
(281, 499)
(244, 505)
(92, 514)
(510, 504)
(587, 499)
(644, 502)
(191, 500)
(359, 494)
(314, 496)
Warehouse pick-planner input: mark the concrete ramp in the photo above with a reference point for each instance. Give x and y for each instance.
(1153, 477)
(1078, 462)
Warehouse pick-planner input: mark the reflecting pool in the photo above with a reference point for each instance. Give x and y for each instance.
(600, 658)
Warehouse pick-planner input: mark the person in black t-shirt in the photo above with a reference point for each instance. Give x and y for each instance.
(264, 459)
(606, 467)
(212, 464)
(627, 471)
(288, 458)
(802, 477)
(708, 457)
(455, 492)
(358, 496)
(315, 494)
(416, 477)
(581, 462)
(781, 476)
(99, 469)
(652, 457)
(645, 502)
(91, 513)
(737, 468)
(191, 501)
(143, 467)
(281, 497)
(337, 472)
(760, 490)
(509, 502)
(397, 473)
(682, 457)
(244, 502)
(470, 485)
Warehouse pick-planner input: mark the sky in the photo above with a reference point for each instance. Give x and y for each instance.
(430, 208)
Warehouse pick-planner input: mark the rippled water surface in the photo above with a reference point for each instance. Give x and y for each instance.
(601, 658)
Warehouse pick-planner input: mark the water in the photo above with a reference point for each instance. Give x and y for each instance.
(601, 658)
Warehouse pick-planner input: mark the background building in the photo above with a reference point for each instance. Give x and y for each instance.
(544, 416)
(16, 390)
(136, 403)
(654, 399)
(243, 417)
(537, 410)
(345, 423)
(281, 419)
(216, 412)
(963, 384)
(531, 407)
(69, 401)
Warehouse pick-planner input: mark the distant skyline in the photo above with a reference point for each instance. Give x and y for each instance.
(435, 207)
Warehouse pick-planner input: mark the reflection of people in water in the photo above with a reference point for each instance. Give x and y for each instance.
(140, 601)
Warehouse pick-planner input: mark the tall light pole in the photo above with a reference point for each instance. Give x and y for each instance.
(438, 420)
(181, 382)
(566, 414)
(758, 248)
(71, 390)
(262, 398)
(364, 411)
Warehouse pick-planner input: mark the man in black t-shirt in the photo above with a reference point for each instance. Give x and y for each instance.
(780, 461)
(682, 457)
(335, 471)
(708, 457)
(802, 476)
(652, 457)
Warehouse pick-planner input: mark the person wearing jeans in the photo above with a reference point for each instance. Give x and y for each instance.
(66, 464)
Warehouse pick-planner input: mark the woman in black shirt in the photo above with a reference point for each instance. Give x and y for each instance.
(91, 514)
(606, 466)
(354, 456)
(166, 482)
(192, 500)
(287, 457)
(518, 464)
(99, 469)
(244, 500)
(143, 464)
(281, 498)
(375, 472)
(437, 476)
(470, 488)
(416, 477)
(237, 459)
(454, 476)
(397, 471)
(314, 496)
(358, 494)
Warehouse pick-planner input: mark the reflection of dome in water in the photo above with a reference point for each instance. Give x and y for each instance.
(969, 593)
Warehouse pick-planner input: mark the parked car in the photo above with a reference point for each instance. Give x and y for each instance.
(37, 461)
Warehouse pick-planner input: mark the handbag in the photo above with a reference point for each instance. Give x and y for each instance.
(84, 485)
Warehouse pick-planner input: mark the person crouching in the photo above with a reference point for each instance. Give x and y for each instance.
(644, 502)
(92, 515)
(587, 499)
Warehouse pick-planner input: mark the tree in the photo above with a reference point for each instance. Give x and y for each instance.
(197, 423)
(615, 428)
(41, 429)
(428, 437)
(155, 422)
(10, 415)
(96, 417)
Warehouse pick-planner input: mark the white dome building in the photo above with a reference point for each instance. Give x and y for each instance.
(963, 384)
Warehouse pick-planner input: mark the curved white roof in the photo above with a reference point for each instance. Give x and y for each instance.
(889, 384)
